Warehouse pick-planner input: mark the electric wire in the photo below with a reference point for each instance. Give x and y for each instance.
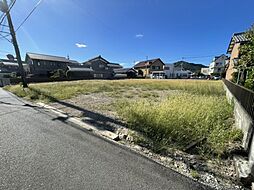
(31, 12)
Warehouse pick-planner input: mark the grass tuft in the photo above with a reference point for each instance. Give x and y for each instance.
(183, 119)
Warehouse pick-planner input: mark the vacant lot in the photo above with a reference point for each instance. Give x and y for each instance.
(167, 113)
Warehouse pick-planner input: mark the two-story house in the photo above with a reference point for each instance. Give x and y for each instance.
(149, 67)
(217, 67)
(172, 72)
(44, 65)
(234, 50)
(102, 69)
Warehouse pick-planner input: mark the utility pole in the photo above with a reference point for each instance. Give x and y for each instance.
(5, 9)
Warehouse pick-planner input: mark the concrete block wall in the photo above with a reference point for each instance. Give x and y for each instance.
(242, 119)
(244, 122)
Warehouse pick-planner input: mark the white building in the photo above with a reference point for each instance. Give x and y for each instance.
(169, 70)
(217, 67)
(205, 71)
(174, 72)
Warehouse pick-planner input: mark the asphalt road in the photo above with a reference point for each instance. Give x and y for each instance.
(37, 151)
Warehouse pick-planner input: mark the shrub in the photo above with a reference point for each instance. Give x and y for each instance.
(58, 74)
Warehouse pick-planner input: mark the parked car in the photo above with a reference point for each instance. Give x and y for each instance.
(216, 77)
(157, 75)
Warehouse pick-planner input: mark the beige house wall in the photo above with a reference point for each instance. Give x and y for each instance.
(157, 63)
(234, 54)
(147, 71)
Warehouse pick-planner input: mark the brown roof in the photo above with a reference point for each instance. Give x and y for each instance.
(236, 38)
(146, 63)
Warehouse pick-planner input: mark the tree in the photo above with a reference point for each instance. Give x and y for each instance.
(246, 61)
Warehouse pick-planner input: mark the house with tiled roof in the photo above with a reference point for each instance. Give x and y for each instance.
(149, 67)
(102, 68)
(43, 65)
(236, 41)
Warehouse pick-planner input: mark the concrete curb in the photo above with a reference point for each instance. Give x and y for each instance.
(78, 122)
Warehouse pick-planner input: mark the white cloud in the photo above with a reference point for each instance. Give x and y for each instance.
(79, 45)
(139, 36)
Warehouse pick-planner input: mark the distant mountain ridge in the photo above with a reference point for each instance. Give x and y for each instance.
(195, 68)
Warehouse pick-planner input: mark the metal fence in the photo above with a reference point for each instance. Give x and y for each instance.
(244, 96)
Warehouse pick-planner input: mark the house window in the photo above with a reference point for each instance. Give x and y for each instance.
(98, 75)
(39, 64)
(155, 67)
(101, 66)
(166, 68)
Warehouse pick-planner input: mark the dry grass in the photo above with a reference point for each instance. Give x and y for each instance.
(67, 90)
(168, 112)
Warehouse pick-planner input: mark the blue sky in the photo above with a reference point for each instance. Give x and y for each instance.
(125, 31)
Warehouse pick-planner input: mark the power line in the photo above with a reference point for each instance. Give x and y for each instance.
(3, 51)
(15, 44)
(5, 37)
(5, 32)
(5, 14)
(2, 20)
(35, 7)
(195, 57)
(2, 16)
(191, 57)
(3, 25)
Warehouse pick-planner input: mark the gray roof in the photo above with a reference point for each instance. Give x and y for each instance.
(114, 65)
(10, 62)
(217, 57)
(79, 69)
(94, 59)
(47, 57)
(237, 38)
(74, 61)
(124, 70)
(240, 37)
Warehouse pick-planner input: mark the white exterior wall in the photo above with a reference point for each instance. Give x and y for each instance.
(218, 65)
(205, 71)
(182, 74)
(171, 72)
